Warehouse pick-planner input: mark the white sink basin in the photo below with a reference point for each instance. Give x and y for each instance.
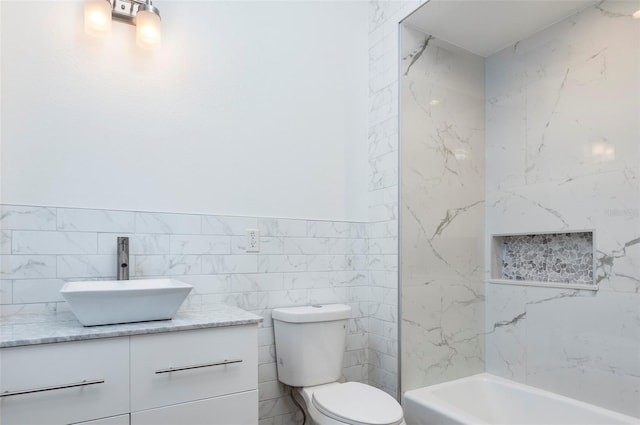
(124, 301)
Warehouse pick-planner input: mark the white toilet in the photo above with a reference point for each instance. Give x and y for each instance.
(310, 343)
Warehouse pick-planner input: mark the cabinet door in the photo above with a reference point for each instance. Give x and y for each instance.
(114, 420)
(178, 367)
(65, 382)
(235, 409)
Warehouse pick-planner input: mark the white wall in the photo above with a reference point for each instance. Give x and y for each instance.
(248, 108)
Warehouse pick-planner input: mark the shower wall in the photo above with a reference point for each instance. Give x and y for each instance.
(442, 211)
(563, 146)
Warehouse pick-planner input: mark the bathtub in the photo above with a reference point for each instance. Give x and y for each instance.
(488, 399)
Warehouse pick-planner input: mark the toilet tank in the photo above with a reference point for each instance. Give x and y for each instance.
(310, 343)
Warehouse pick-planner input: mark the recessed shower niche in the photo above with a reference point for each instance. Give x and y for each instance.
(563, 260)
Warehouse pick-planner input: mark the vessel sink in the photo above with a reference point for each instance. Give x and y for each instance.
(124, 301)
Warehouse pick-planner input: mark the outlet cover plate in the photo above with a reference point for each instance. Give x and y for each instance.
(253, 240)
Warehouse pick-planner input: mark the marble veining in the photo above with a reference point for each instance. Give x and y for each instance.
(442, 208)
(63, 327)
(557, 161)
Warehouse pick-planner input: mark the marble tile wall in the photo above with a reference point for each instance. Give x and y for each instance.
(300, 262)
(563, 155)
(442, 207)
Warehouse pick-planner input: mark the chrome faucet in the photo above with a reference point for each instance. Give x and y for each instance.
(123, 258)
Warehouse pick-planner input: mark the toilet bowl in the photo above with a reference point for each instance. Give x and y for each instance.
(350, 403)
(310, 343)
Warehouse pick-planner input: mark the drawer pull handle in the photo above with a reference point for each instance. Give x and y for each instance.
(178, 369)
(57, 387)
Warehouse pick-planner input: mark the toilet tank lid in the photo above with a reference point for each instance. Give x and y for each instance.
(312, 313)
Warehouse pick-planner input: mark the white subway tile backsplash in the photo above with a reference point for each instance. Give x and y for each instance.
(209, 283)
(5, 242)
(249, 300)
(200, 244)
(308, 246)
(356, 357)
(270, 390)
(257, 282)
(275, 407)
(282, 227)
(70, 219)
(386, 279)
(86, 266)
(268, 245)
(348, 278)
(225, 225)
(328, 229)
(328, 295)
(230, 263)
(267, 371)
(6, 291)
(282, 263)
(289, 298)
(271, 245)
(27, 266)
(37, 291)
(337, 262)
(306, 280)
(361, 293)
(51, 242)
(266, 336)
(14, 217)
(347, 246)
(139, 244)
(383, 246)
(357, 341)
(266, 354)
(167, 265)
(383, 262)
(188, 224)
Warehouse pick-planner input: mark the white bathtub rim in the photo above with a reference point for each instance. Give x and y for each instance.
(426, 396)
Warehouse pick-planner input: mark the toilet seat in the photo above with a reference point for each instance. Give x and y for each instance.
(357, 404)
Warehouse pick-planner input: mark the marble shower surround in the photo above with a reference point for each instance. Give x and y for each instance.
(562, 153)
(442, 207)
(578, 343)
(552, 257)
(301, 262)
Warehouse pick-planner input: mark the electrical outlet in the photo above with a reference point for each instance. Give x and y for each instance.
(253, 240)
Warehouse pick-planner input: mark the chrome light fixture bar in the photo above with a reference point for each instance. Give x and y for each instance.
(141, 13)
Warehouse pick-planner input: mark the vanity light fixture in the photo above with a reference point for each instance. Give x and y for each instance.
(141, 13)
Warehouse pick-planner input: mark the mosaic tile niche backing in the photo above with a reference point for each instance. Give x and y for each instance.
(557, 257)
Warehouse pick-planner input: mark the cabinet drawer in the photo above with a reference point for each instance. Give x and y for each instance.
(65, 382)
(183, 366)
(235, 409)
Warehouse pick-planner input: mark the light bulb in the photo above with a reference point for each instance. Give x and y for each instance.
(97, 17)
(147, 29)
(636, 14)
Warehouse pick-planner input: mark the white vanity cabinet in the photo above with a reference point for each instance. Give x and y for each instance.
(64, 383)
(203, 376)
(217, 367)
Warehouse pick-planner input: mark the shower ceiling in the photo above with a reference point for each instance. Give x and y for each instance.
(485, 27)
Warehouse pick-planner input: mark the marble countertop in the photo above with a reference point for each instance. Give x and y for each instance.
(19, 330)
